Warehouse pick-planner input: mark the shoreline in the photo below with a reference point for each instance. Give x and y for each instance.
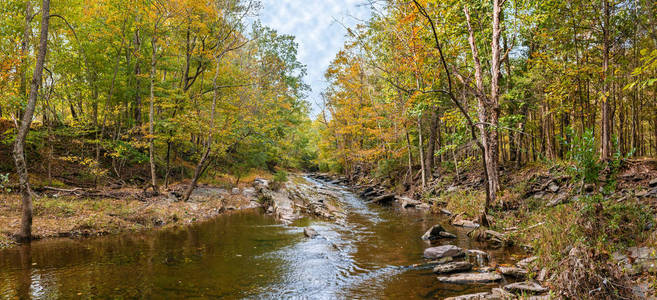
(72, 216)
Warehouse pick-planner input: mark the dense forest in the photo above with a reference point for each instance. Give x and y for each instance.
(158, 92)
(430, 85)
(534, 123)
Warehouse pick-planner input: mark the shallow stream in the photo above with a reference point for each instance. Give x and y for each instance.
(245, 254)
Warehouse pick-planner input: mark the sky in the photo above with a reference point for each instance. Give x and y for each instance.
(320, 37)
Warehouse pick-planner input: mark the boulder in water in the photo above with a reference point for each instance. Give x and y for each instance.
(443, 251)
(310, 232)
(457, 266)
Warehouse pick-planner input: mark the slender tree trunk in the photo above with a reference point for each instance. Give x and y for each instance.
(203, 162)
(151, 112)
(421, 152)
(605, 118)
(137, 108)
(19, 145)
(431, 144)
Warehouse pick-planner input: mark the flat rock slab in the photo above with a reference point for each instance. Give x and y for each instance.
(470, 278)
(525, 287)
(513, 272)
(443, 251)
(457, 266)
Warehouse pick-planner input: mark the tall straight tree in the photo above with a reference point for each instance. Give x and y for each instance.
(19, 145)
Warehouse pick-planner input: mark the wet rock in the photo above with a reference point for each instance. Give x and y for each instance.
(513, 272)
(477, 296)
(310, 232)
(526, 262)
(235, 191)
(465, 223)
(433, 263)
(423, 206)
(457, 266)
(525, 287)
(436, 232)
(470, 278)
(443, 251)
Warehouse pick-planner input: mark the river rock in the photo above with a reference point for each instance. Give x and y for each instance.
(513, 272)
(457, 266)
(465, 223)
(470, 278)
(525, 262)
(310, 232)
(525, 287)
(443, 251)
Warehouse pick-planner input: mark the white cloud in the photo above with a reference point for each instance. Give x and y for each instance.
(313, 24)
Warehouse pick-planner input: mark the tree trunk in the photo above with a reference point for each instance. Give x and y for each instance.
(605, 118)
(431, 144)
(202, 163)
(151, 112)
(19, 145)
(421, 152)
(137, 108)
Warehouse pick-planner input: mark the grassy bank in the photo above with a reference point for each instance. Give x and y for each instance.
(78, 216)
(574, 230)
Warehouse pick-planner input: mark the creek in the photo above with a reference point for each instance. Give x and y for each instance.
(246, 254)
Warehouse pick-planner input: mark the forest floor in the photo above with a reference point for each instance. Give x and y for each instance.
(100, 212)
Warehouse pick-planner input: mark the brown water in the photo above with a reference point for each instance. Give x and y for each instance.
(244, 254)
